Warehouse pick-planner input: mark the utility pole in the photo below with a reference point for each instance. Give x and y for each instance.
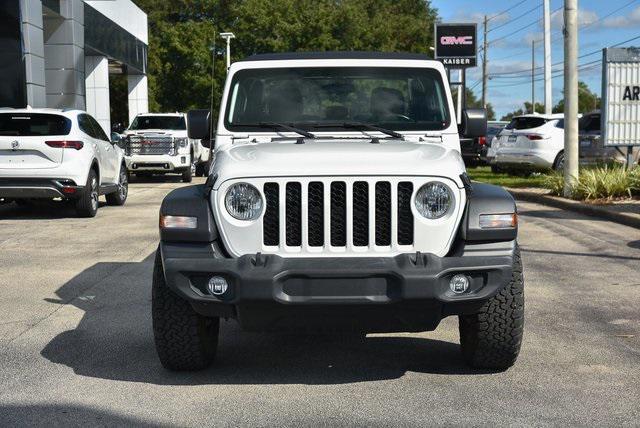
(485, 76)
(570, 95)
(533, 77)
(228, 37)
(548, 99)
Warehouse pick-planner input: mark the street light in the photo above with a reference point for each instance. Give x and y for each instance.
(228, 37)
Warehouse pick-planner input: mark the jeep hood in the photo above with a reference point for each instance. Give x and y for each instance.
(337, 158)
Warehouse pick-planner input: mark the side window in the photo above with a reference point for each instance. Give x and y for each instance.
(85, 125)
(98, 132)
(560, 124)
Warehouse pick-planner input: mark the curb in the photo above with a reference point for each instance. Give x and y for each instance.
(567, 204)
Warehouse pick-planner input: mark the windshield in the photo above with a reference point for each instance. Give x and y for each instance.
(175, 123)
(33, 124)
(392, 98)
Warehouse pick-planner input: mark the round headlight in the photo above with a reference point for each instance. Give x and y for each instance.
(243, 202)
(434, 200)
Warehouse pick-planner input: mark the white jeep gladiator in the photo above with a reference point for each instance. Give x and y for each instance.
(158, 143)
(338, 201)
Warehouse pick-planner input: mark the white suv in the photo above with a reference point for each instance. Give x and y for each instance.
(158, 144)
(48, 154)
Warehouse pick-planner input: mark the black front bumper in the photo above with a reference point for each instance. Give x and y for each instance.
(39, 188)
(409, 292)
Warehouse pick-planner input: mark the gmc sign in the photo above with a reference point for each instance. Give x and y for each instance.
(456, 45)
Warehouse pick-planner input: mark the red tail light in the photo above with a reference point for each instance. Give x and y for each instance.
(65, 144)
(533, 137)
(482, 141)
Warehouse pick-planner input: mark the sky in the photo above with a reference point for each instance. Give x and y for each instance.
(602, 24)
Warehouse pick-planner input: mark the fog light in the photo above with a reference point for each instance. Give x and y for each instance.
(459, 283)
(183, 159)
(218, 285)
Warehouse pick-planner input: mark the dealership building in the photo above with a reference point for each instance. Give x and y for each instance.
(60, 54)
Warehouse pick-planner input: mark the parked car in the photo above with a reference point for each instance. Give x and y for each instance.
(592, 150)
(494, 128)
(338, 201)
(474, 150)
(536, 142)
(158, 144)
(530, 142)
(48, 154)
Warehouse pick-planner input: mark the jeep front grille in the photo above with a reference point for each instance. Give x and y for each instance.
(150, 145)
(338, 213)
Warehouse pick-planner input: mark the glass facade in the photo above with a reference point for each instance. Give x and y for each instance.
(12, 71)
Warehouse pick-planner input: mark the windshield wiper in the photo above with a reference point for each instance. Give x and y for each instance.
(355, 125)
(276, 126)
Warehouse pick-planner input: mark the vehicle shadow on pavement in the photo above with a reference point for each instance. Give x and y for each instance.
(48, 415)
(114, 341)
(40, 210)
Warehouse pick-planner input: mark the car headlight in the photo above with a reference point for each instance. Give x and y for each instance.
(434, 200)
(243, 202)
(182, 142)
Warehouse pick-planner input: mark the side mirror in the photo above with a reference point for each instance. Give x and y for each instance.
(209, 144)
(199, 124)
(474, 123)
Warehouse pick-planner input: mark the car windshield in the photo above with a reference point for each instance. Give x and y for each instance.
(33, 124)
(392, 98)
(175, 123)
(526, 122)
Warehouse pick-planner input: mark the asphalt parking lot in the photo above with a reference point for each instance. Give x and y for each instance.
(76, 346)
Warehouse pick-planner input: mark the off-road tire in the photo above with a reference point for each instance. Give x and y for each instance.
(87, 204)
(491, 338)
(119, 197)
(185, 341)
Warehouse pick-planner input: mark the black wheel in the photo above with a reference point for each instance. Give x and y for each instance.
(185, 341)
(491, 338)
(558, 165)
(187, 175)
(119, 197)
(87, 205)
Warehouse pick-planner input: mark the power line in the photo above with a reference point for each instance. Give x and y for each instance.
(506, 10)
(514, 19)
(582, 28)
(558, 73)
(522, 28)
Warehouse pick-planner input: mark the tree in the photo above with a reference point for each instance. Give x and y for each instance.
(587, 100)
(525, 110)
(182, 32)
(474, 102)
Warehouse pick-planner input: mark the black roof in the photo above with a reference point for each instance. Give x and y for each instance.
(337, 55)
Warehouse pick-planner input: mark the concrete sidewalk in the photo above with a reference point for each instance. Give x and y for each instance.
(625, 212)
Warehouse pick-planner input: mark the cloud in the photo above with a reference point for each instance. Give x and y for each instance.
(626, 21)
(479, 17)
(585, 17)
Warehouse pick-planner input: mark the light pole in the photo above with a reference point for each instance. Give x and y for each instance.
(228, 37)
(570, 95)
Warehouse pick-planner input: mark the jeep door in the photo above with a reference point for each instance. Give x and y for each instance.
(24, 138)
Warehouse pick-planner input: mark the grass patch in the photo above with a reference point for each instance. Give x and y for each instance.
(484, 175)
(603, 183)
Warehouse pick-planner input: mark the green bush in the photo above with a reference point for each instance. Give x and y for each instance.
(599, 183)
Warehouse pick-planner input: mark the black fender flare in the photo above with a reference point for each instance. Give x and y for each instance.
(189, 201)
(487, 199)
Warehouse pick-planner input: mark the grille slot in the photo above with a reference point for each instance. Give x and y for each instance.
(271, 220)
(294, 214)
(383, 213)
(405, 216)
(316, 214)
(361, 214)
(338, 214)
(149, 145)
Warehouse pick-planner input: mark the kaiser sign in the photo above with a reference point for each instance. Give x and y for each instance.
(456, 45)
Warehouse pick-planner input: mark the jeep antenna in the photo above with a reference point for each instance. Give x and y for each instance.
(228, 37)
